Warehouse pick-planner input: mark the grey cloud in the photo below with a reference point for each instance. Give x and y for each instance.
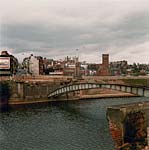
(133, 27)
(39, 38)
(113, 28)
(46, 37)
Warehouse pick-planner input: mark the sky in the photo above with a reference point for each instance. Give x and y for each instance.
(85, 28)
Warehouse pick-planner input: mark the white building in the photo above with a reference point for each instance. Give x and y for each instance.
(35, 65)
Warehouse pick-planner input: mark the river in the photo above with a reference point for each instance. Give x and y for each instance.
(77, 125)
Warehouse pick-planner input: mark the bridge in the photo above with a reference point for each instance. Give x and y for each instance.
(137, 90)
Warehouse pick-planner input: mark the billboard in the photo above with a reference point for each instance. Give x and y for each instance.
(4, 62)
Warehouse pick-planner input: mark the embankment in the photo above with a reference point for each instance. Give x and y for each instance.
(128, 125)
(15, 93)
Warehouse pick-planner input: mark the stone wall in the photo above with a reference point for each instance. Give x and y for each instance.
(25, 91)
(128, 125)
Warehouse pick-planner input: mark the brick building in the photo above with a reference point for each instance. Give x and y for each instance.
(104, 67)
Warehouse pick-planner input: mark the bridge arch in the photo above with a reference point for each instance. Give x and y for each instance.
(137, 90)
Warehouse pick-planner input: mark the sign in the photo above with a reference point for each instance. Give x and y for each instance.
(4, 62)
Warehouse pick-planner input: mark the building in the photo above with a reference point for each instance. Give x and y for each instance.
(118, 67)
(34, 65)
(71, 66)
(104, 67)
(92, 69)
(8, 64)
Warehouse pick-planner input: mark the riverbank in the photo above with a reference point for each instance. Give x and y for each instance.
(107, 95)
(36, 92)
(16, 102)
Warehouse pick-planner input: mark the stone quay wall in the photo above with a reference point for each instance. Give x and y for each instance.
(14, 92)
(128, 125)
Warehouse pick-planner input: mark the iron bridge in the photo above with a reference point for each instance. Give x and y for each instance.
(137, 90)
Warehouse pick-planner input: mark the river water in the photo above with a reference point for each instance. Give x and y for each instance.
(79, 125)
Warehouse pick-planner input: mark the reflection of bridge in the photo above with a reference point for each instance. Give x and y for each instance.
(137, 90)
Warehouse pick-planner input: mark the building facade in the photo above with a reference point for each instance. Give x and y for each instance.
(8, 64)
(118, 68)
(104, 69)
(34, 65)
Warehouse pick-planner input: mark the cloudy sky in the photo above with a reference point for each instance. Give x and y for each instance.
(56, 28)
